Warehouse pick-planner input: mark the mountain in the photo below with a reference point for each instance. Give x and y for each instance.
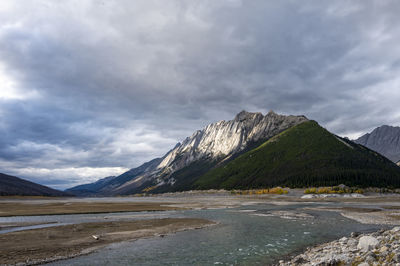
(216, 143)
(91, 189)
(254, 150)
(303, 156)
(114, 185)
(11, 186)
(385, 140)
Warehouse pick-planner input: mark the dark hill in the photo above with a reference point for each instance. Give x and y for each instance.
(11, 186)
(91, 189)
(303, 156)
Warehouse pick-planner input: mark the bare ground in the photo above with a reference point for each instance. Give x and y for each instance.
(57, 208)
(389, 215)
(60, 242)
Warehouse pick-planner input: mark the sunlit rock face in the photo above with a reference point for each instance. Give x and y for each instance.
(385, 140)
(225, 138)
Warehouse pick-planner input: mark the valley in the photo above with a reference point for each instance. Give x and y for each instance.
(260, 189)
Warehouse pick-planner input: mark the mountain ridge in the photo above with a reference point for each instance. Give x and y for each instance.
(385, 140)
(304, 155)
(215, 142)
(15, 186)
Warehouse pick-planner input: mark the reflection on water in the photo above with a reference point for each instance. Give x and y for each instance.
(246, 236)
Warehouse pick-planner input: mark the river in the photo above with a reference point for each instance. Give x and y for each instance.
(259, 234)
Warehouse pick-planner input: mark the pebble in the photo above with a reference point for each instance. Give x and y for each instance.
(378, 248)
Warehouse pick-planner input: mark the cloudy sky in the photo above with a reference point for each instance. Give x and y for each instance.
(92, 88)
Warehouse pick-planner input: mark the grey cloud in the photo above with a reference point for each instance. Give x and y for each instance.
(119, 82)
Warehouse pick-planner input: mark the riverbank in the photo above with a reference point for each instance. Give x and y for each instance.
(39, 246)
(378, 248)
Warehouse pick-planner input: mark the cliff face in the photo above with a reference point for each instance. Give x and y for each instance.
(225, 138)
(385, 140)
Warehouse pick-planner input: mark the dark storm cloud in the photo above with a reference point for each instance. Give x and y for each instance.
(94, 87)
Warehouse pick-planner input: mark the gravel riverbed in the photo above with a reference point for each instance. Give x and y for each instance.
(378, 248)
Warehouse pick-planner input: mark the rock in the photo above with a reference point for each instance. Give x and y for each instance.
(370, 258)
(300, 260)
(396, 258)
(383, 249)
(96, 237)
(309, 196)
(367, 243)
(357, 195)
(354, 234)
(352, 242)
(395, 229)
(363, 264)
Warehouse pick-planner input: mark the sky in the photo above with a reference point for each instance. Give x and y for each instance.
(90, 89)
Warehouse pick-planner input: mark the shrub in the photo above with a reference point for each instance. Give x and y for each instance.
(310, 191)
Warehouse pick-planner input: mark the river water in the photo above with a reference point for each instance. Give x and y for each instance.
(249, 235)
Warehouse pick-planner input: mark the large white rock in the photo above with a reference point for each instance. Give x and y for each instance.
(396, 229)
(309, 196)
(367, 243)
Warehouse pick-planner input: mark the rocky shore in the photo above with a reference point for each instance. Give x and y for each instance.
(378, 248)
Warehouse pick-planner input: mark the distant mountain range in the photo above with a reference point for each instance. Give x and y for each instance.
(250, 151)
(91, 189)
(12, 185)
(385, 140)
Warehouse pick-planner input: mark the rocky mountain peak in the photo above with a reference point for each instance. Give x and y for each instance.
(385, 140)
(225, 138)
(244, 115)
